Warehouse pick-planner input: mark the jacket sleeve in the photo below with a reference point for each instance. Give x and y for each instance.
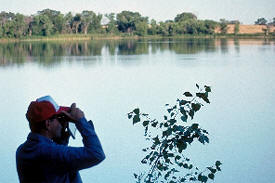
(66, 158)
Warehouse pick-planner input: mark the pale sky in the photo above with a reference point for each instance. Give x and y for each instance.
(247, 11)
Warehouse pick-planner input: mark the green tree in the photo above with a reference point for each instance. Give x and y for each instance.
(68, 23)
(261, 21)
(171, 26)
(56, 18)
(86, 20)
(210, 26)
(141, 28)
(111, 26)
(152, 29)
(95, 25)
(127, 20)
(191, 26)
(185, 16)
(42, 25)
(162, 29)
(223, 26)
(76, 21)
(272, 22)
(170, 137)
(236, 28)
(6, 24)
(9, 29)
(20, 26)
(59, 24)
(28, 21)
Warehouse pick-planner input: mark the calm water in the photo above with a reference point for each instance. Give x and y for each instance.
(107, 79)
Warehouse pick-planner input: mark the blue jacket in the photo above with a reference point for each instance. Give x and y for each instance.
(40, 160)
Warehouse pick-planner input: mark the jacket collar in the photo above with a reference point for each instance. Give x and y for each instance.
(37, 137)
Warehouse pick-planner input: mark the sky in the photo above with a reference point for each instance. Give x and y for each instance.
(246, 11)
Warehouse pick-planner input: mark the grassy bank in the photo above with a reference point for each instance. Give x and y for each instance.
(83, 37)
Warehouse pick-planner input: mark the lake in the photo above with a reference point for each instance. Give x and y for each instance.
(108, 79)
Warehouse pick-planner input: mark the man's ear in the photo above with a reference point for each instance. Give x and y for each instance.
(47, 124)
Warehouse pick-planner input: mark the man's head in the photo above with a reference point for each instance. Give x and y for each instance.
(45, 116)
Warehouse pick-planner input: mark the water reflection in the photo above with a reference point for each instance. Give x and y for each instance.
(237, 45)
(50, 53)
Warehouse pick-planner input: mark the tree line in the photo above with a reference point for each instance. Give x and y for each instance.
(51, 22)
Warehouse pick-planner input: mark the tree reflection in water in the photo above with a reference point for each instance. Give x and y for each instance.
(50, 53)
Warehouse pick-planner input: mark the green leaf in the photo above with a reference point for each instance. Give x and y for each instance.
(185, 165)
(195, 126)
(179, 128)
(182, 110)
(172, 114)
(207, 88)
(145, 123)
(144, 161)
(183, 102)
(191, 113)
(145, 149)
(136, 111)
(171, 146)
(188, 94)
(197, 86)
(146, 131)
(154, 124)
(211, 176)
(182, 179)
(183, 118)
(156, 140)
(195, 107)
(167, 175)
(181, 145)
(136, 119)
(218, 163)
(135, 175)
(130, 115)
(192, 179)
(213, 170)
(203, 139)
(172, 121)
(202, 178)
(170, 154)
(203, 96)
(152, 158)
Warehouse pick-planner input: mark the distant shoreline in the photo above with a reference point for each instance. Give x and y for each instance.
(89, 37)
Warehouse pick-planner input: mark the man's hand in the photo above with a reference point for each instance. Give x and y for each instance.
(75, 114)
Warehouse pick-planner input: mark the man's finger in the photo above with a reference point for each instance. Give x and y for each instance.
(66, 114)
(73, 106)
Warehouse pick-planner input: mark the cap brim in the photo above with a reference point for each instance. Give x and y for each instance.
(63, 108)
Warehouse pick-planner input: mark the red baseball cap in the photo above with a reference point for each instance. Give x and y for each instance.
(43, 108)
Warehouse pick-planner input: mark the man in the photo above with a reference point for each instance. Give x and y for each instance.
(45, 156)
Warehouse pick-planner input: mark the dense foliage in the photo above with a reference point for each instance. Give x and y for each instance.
(261, 21)
(51, 22)
(170, 137)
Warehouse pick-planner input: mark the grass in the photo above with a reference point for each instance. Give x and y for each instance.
(79, 37)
